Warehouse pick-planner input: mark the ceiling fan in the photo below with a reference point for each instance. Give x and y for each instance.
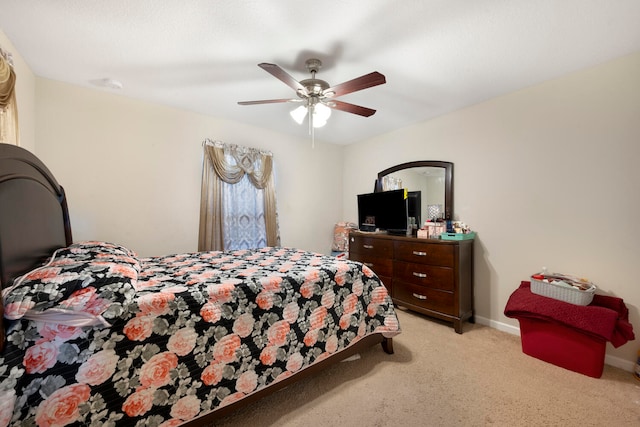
(317, 96)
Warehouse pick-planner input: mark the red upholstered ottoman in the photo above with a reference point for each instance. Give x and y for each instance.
(568, 335)
(562, 346)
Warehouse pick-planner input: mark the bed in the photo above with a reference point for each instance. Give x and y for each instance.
(95, 335)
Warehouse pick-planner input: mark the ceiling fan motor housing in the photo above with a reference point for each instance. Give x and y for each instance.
(314, 86)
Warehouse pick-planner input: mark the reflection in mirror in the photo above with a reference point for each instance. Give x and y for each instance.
(429, 185)
(426, 191)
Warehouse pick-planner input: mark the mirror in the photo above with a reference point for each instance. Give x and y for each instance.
(430, 186)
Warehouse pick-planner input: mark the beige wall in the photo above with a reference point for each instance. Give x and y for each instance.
(547, 176)
(132, 170)
(25, 95)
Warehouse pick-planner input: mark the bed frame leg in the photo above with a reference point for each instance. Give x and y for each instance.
(387, 345)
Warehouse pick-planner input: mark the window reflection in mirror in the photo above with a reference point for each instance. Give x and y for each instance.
(428, 181)
(429, 184)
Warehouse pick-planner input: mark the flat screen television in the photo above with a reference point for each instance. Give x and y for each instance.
(386, 210)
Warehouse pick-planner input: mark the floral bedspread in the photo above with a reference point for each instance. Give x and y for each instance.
(99, 337)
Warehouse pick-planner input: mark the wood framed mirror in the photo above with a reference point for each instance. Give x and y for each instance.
(429, 184)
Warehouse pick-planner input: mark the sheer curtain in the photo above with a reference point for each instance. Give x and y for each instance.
(8, 111)
(238, 202)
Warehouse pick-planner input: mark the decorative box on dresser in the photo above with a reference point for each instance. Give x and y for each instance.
(430, 276)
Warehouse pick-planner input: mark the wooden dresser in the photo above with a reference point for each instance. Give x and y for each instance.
(433, 277)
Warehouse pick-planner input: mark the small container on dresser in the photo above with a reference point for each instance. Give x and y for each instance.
(433, 277)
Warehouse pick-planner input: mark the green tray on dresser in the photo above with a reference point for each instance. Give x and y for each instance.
(458, 236)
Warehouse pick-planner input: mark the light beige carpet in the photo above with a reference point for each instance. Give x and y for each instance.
(439, 378)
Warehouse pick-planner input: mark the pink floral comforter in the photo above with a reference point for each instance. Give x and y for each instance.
(100, 337)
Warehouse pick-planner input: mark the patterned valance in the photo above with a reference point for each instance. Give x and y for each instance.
(257, 164)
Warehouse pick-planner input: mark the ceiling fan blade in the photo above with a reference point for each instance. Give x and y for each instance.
(350, 108)
(268, 101)
(359, 83)
(283, 76)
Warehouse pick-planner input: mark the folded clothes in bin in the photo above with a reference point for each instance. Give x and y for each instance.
(605, 318)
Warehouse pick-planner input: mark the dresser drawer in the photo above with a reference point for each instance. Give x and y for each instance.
(425, 275)
(424, 297)
(370, 246)
(380, 266)
(427, 253)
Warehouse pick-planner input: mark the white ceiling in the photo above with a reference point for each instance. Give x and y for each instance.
(201, 55)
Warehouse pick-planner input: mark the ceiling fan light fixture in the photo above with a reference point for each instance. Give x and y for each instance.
(298, 114)
(319, 123)
(321, 114)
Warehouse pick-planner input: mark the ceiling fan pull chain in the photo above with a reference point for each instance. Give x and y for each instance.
(311, 131)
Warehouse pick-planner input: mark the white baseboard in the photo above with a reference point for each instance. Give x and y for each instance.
(513, 330)
(617, 362)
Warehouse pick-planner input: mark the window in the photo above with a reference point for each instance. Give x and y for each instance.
(237, 206)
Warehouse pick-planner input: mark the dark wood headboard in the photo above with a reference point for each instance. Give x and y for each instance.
(34, 219)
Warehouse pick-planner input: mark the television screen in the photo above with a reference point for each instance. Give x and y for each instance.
(386, 210)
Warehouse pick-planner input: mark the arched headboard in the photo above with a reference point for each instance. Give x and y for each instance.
(34, 219)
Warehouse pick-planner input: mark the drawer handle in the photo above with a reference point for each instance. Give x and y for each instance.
(419, 253)
(367, 246)
(419, 296)
(420, 275)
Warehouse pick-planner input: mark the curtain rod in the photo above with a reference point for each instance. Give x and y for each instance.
(7, 56)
